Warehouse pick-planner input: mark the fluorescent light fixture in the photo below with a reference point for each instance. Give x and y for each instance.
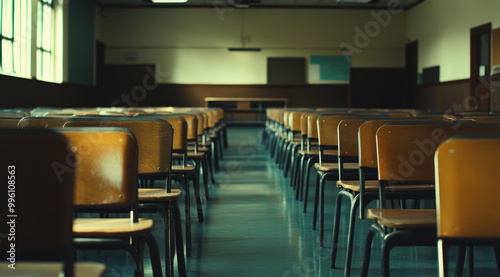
(243, 49)
(168, 1)
(354, 1)
(242, 6)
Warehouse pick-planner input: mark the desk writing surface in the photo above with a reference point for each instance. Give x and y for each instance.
(250, 99)
(241, 108)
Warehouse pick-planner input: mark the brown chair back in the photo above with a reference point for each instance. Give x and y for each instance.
(41, 196)
(153, 135)
(9, 122)
(106, 163)
(43, 122)
(464, 212)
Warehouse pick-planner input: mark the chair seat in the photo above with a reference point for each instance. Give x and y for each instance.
(189, 155)
(404, 218)
(192, 155)
(200, 149)
(181, 169)
(150, 195)
(42, 269)
(315, 152)
(327, 167)
(112, 227)
(370, 185)
(205, 145)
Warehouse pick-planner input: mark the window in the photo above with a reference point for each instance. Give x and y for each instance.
(15, 34)
(24, 36)
(44, 39)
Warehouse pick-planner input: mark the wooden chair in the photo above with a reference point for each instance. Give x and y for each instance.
(154, 139)
(200, 157)
(213, 138)
(104, 184)
(9, 122)
(308, 156)
(467, 216)
(327, 167)
(183, 170)
(365, 190)
(296, 165)
(43, 122)
(282, 137)
(13, 113)
(405, 153)
(293, 141)
(488, 119)
(200, 144)
(347, 153)
(278, 133)
(28, 157)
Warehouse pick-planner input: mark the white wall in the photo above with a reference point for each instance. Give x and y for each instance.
(189, 46)
(442, 28)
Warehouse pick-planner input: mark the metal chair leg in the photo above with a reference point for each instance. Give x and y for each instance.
(305, 180)
(197, 195)
(181, 264)
(350, 235)
(368, 249)
(315, 210)
(154, 253)
(336, 224)
(443, 258)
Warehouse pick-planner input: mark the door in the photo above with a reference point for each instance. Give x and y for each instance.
(480, 78)
(411, 67)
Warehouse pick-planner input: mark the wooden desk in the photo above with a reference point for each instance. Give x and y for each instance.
(255, 106)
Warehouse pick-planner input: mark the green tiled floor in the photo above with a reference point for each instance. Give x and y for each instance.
(254, 227)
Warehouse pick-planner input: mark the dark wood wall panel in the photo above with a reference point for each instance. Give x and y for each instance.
(443, 96)
(495, 93)
(134, 85)
(298, 96)
(20, 92)
(379, 88)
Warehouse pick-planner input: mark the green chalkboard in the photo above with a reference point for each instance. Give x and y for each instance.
(329, 68)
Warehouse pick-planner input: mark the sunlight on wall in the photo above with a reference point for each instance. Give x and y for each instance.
(443, 33)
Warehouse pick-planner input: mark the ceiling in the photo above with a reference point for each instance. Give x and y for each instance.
(319, 4)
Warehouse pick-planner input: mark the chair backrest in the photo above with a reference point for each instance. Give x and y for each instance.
(153, 135)
(191, 119)
(286, 117)
(347, 133)
(312, 129)
(367, 138)
(467, 187)
(179, 124)
(405, 151)
(327, 129)
(442, 115)
(398, 114)
(12, 113)
(484, 119)
(43, 122)
(9, 122)
(294, 122)
(106, 168)
(41, 198)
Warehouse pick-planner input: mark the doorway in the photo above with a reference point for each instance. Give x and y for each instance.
(480, 68)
